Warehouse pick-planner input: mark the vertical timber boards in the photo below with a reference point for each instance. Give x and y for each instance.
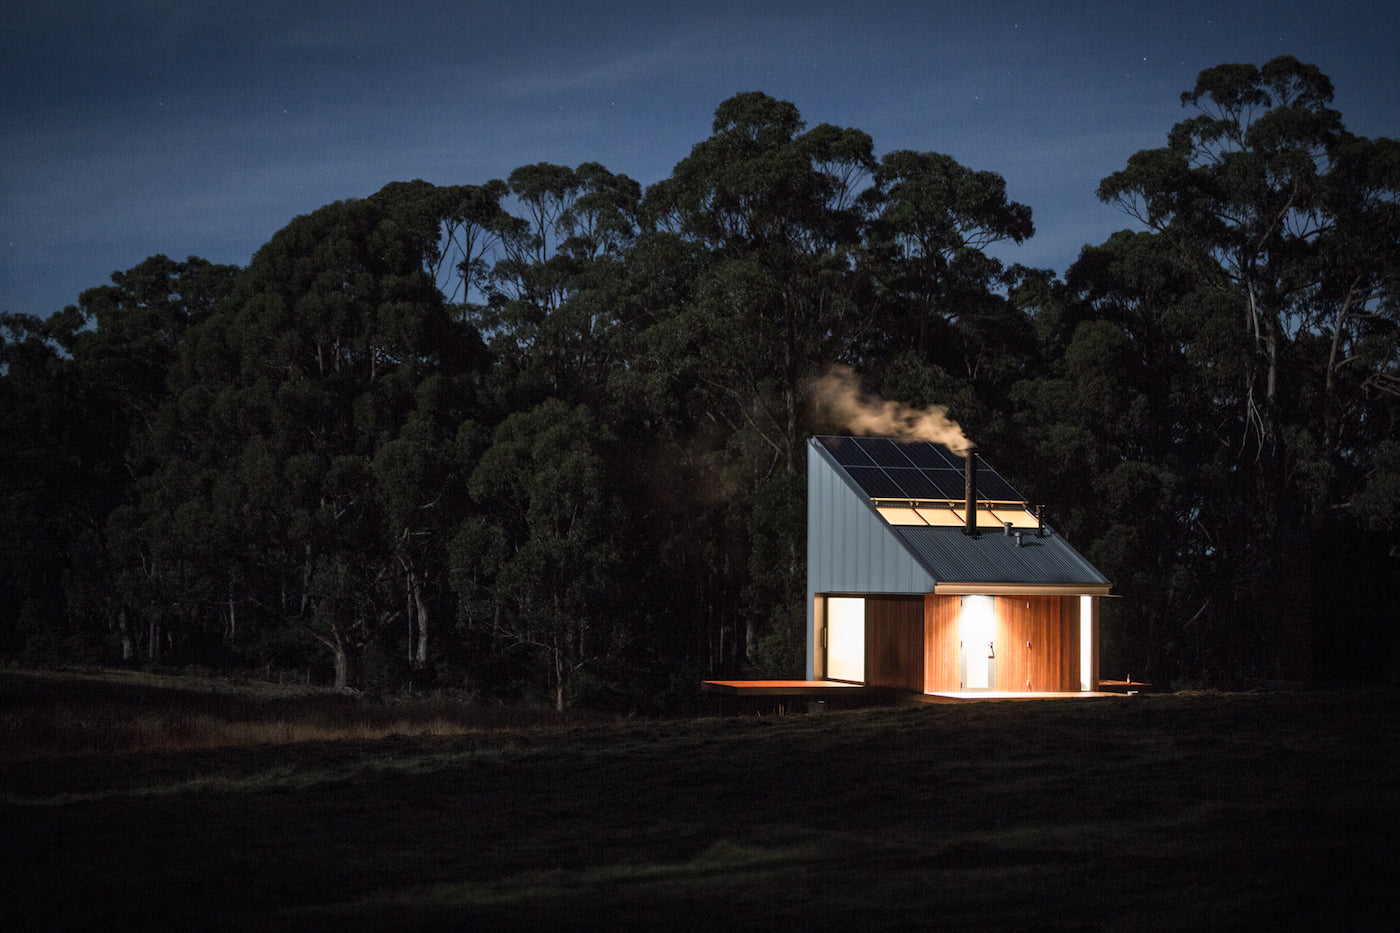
(941, 661)
(1037, 643)
(894, 642)
(913, 643)
(1067, 668)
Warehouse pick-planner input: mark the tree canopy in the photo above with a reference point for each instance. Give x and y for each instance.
(541, 438)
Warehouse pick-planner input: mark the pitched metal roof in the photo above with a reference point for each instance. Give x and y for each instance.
(953, 557)
(990, 561)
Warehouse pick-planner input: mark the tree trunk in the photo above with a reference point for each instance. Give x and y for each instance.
(346, 666)
(1330, 418)
(558, 675)
(232, 615)
(420, 653)
(123, 627)
(791, 434)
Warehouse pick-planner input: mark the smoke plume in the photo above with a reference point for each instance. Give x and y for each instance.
(838, 394)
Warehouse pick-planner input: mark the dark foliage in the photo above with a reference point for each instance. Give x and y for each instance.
(541, 438)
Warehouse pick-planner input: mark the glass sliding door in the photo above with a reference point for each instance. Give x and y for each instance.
(845, 638)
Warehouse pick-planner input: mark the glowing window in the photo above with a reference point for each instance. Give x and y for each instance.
(1086, 642)
(845, 638)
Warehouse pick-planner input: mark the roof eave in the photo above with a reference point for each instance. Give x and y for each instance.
(1022, 589)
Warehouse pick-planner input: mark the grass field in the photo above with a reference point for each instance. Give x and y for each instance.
(1173, 812)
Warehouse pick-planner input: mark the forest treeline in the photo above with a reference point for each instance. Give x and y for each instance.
(542, 438)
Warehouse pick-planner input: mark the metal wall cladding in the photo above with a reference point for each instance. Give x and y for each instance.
(850, 549)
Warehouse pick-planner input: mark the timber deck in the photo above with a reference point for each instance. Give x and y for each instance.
(974, 696)
(831, 689)
(781, 688)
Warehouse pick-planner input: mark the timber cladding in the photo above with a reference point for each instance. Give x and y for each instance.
(941, 643)
(1037, 643)
(894, 642)
(913, 643)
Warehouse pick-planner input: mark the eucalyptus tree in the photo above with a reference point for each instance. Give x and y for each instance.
(1293, 221)
(44, 506)
(455, 227)
(1287, 227)
(1354, 320)
(940, 327)
(125, 339)
(84, 387)
(548, 316)
(538, 566)
(301, 451)
(128, 333)
(773, 211)
(764, 217)
(1125, 436)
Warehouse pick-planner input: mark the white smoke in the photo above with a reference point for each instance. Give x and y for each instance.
(839, 395)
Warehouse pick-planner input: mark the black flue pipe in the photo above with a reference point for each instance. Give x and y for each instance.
(970, 490)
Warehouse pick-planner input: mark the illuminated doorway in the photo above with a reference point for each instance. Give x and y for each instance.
(845, 638)
(977, 630)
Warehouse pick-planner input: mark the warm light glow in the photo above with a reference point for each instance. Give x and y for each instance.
(990, 520)
(1086, 642)
(896, 516)
(945, 518)
(978, 630)
(845, 638)
(1019, 518)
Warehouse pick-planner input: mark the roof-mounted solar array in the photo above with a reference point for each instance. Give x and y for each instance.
(913, 470)
(917, 490)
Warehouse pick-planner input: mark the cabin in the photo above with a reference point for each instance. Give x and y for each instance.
(928, 573)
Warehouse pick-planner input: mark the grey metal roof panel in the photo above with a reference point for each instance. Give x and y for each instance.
(946, 554)
(951, 556)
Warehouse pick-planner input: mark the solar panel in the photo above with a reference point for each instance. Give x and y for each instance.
(914, 483)
(876, 483)
(950, 483)
(932, 457)
(847, 451)
(885, 453)
(990, 485)
(889, 469)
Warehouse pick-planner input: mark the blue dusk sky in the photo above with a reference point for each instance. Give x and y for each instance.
(191, 127)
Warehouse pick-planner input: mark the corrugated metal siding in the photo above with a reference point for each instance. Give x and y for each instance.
(849, 547)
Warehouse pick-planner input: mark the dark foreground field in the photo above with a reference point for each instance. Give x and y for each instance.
(1236, 811)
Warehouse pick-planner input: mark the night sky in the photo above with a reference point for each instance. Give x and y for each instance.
(187, 127)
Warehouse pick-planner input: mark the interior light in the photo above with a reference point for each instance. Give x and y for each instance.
(845, 639)
(979, 631)
(1086, 642)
